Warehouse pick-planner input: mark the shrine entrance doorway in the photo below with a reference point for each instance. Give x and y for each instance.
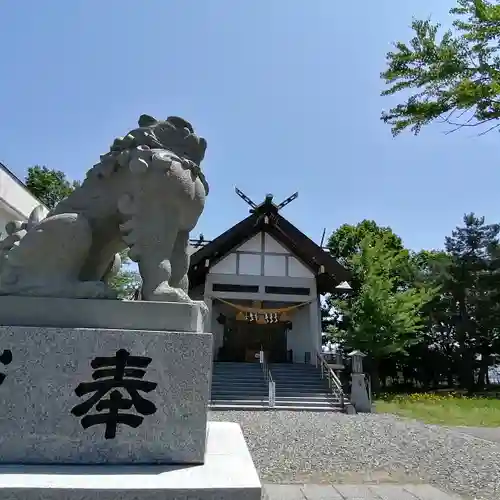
(243, 341)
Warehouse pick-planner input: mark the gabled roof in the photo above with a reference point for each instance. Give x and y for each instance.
(329, 273)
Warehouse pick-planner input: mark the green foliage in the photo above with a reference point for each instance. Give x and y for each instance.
(453, 78)
(423, 317)
(473, 283)
(444, 409)
(347, 241)
(48, 186)
(127, 280)
(383, 317)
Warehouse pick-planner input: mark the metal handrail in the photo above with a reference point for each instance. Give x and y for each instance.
(271, 386)
(334, 382)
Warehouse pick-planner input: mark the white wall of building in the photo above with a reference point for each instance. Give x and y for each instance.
(254, 244)
(5, 218)
(262, 255)
(16, 202)
(299, 338)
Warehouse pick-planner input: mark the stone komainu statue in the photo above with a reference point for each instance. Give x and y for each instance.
(147, 194)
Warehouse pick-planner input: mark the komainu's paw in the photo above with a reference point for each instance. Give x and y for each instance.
(165, 293)
(203, 307)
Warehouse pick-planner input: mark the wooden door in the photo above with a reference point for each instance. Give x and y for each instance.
(243, 339)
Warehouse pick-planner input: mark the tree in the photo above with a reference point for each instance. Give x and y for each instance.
(454, 79)
(475, 287)
(383, 317)
(347, 240)
(435, 356)
(52, 186)
(49, 186)
(127, 280)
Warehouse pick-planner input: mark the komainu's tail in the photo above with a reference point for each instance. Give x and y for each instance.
(17, 229)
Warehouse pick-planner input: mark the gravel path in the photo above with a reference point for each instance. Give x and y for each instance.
(300, 447)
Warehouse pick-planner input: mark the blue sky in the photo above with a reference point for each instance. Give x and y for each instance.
(286, 93)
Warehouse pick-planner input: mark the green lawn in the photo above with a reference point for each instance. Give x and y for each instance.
(450, 409)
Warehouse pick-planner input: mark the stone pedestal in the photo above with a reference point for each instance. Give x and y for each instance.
(60, 383)
(109, 399)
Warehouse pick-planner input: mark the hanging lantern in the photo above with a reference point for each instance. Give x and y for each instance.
(261, 319)
(240, 316)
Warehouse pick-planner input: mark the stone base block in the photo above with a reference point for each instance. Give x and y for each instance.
(93, 396)
(359, 393)
(90, 313)
(228, 473)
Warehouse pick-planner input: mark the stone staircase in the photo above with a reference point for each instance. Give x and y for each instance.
(238, 386)
(299, 387)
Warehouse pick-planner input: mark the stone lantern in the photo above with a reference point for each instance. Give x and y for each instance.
(360, 393)
(357, 361)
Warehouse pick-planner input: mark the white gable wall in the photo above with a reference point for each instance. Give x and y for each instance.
(250, 264)
(275, 265)
(252, 245)
(226, 266)
(262, 255)
(272, 246)
(297, 270)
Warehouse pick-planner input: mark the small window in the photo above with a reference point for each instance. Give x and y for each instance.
(223, 287)
(288, 290)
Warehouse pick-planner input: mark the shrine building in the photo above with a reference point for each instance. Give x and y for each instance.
(262, 280)
(16, 202)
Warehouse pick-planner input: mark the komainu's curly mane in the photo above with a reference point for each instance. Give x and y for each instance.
(174, 134)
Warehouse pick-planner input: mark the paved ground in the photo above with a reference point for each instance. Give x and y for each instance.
(487, 433)
(354, 492)
(374, 449)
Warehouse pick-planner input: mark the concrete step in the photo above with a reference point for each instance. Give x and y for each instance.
(240, 402)
(239, 383)
(302, 391)
(306, 408)
(229, 407)
(217, 369)
(309, 378)
(294, 369)
(242, 386)
(240, 397)
(238, 373)
(306, 403)
(313, 387)
(313, 397)
(245, 390)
